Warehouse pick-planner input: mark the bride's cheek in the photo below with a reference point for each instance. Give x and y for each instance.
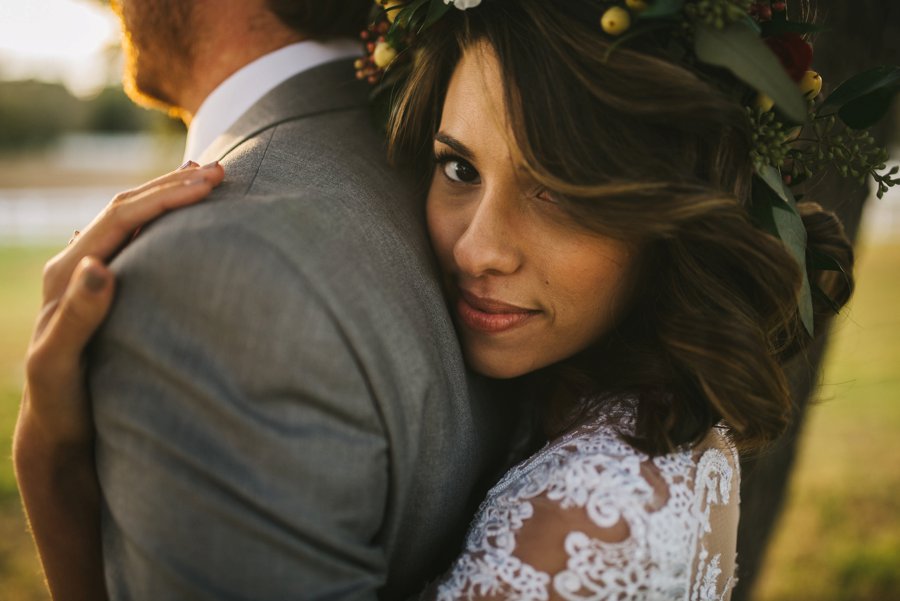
(436, 224)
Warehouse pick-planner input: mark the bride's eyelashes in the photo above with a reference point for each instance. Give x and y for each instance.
(456, 169)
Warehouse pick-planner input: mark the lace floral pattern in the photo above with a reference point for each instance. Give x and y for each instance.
(590, 517)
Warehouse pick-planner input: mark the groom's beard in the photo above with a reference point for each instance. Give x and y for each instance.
(157, 39)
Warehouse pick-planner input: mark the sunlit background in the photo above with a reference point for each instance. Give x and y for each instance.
(69, 139)
(59, 41)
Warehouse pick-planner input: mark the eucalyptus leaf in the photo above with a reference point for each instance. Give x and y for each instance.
(436, 10)
(793, 233)
(739, 49)
(751, 23)
(661, 8)
(866, 111)
(772, 177)
(763, 197)
(406, 15)
(862, 84)
(773, 210)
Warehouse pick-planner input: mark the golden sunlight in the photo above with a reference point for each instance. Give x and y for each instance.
(58, 40)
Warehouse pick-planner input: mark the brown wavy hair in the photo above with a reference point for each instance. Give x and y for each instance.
(639, 148)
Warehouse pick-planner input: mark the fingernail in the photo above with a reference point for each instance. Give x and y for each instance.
(93, 281)
(195, 181)
(187, 164)
(210, 165)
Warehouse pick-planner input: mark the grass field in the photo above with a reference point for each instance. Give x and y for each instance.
(20, 270)
(838, 540)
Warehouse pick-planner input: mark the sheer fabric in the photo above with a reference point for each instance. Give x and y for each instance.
(590, 517)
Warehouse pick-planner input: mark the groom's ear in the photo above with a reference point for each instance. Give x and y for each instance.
(322, 19)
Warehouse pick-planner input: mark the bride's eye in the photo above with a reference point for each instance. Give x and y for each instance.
(457, 169)
(545, 195)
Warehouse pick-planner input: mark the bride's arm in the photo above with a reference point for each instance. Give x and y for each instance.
(53, 440)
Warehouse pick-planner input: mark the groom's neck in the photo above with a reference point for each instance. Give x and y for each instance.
(230, 36)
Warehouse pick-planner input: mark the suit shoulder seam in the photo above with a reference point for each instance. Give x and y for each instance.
(271, 134)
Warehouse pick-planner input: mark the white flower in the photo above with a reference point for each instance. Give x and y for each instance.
(463, 4)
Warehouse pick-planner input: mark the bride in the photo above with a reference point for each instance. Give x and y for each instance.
(590, 213)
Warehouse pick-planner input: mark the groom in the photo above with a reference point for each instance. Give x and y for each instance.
(282, 411)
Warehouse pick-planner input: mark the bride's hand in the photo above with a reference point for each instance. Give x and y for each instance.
(77, 294)
(53, 440)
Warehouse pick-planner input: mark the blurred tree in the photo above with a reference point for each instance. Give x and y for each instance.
(32, 114)
(861, 34)
(111, 111)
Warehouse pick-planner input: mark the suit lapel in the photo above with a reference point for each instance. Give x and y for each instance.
(323, 89)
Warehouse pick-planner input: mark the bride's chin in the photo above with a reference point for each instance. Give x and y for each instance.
(495, 366)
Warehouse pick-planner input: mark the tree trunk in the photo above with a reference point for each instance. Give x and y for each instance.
(862, 34)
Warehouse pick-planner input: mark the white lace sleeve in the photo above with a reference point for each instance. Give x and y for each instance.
(589, 517)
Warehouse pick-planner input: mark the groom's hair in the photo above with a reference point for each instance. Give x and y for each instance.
(318, 19)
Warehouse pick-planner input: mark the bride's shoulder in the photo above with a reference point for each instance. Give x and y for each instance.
(590, 512)
(599, 484)
(596, 460)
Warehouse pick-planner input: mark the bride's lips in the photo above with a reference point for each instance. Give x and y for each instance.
(489, 315)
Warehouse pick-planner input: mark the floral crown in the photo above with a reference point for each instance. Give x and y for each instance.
(797, 131)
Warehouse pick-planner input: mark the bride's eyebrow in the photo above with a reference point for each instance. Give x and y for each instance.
(460, 148)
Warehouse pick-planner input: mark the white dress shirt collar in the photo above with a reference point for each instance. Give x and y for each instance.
(246, 86)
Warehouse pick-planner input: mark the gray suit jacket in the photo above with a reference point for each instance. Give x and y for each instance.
(282, 410)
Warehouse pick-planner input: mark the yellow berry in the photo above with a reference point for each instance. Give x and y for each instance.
(384, 55)
(615, 20)
(764, 102)
(391, 8)
(811, 84)
(636, 5)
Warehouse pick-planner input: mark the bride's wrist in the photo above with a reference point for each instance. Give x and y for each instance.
(41, 447)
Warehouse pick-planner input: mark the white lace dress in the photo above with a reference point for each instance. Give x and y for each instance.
(590, 517)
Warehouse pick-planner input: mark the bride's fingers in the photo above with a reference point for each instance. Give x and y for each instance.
(106, 234)
(54, 366)
(82, 307)
(187, 167)
(112, 228)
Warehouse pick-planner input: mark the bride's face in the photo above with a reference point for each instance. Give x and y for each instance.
(527, 287)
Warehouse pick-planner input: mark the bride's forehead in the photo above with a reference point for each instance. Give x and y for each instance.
(477, 76)
(475, 99)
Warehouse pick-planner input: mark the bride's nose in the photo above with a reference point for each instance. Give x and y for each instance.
(489, 245)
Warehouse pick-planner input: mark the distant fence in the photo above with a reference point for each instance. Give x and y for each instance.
(48, 215)
(45, 205)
